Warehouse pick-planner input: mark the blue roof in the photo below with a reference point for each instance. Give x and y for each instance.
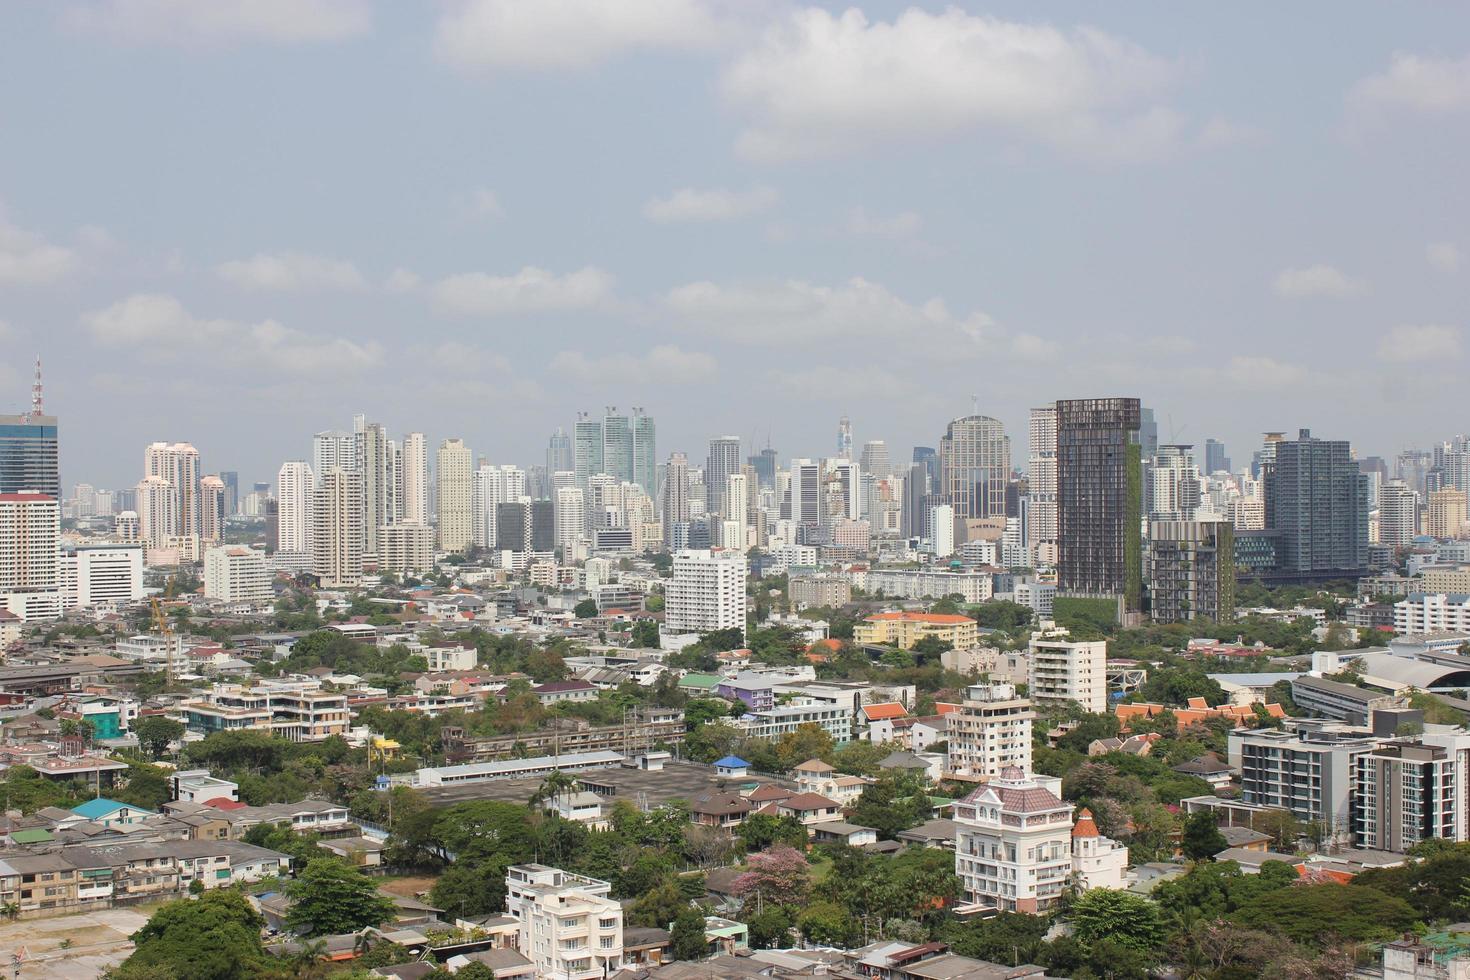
(101, 807)
(732, 762)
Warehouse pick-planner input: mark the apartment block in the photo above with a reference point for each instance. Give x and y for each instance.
(1063, 670)
(570, 928)
(904, 629)
(990, 733)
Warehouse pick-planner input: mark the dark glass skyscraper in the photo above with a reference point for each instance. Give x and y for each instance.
(1100, 499)
(1215, 459)
(1317, 506)
(28, 455)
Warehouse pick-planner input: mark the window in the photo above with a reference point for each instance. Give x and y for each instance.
(607, 923)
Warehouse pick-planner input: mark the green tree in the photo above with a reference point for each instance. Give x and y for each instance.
(760, 831)
(155, 733)
(1307, 913)
(147, 787)
(1009, 937)
(1129, 920)
(469, 888)
(770, 928)
(659, 905)
(213, 937)
(1202, 837)
(586, 609)
(687, 936)
(330, 898)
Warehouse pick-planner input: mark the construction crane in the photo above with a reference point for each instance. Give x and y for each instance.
(161, 626)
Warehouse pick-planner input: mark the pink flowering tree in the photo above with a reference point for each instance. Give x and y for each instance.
(778, 876)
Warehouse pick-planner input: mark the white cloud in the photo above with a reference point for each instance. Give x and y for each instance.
(402, 280)
(490, 35)
(665, 364)
(8, 332)
(819, 83)
(1412, 84)
(27, 258)
(1218, 134)
(1315, 280)
(282, 271)
(190, 22)
(1033, 348)
(833, 383)
(799, 312)
(1261, 372)
(531, 290)
(157, 325)
(1444, 256)
(905, 224)
(1407, 343)
(714, 204)
(96, 238)
(483, 203)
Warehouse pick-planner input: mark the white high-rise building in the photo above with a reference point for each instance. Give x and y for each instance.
(1065, 670)
(415, 479)
(456, 496)
(157, 511)
(570, 929)
(333, 449)
(177, 463)
(127, 526)
(30, 555)
(373, 457)
(337, 530)
(97, 574)
(295, 486)
(676, 494)
(570, 518)
(806, 493)
(1041, 484)
(736, 533)
(493, 486)
(991, 731)
(234, 573)
(940, 531)
(406, 549)
(706, 593)
(1398, 514)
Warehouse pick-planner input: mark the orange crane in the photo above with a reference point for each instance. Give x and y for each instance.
(161, 626)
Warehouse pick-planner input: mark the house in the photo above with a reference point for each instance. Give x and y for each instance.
(939, 832)
(581, 807)
(842, 832)
(719, 809)
(110, 813)
(755, 690)
(559, 691)
(814, 776)
(809, 808)
(363, 852)
(699, 685)
(732, 765)
(929, 766)
(1209, 768)
(1246, 839)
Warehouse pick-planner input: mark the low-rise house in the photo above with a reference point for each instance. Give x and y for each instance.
(1209, 768)
(809, 808)
(842, 832)
(558, 691)
(719, 809)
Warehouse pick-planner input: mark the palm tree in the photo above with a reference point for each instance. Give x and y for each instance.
(555, 784)
(11, 910)
(309, 960)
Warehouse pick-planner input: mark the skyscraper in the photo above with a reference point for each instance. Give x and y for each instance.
(231, 480)
(765, 467)
(493, 486)
(645, 452)
(337, 529)
(586, 449)
(975, 466)
(724, 459)
(371, 454)
(1398, 514)
(676, 494)
(559, 452)
(29, 449)
(1041, 475)
(211, 508)
(1100, 499)
(930, 458)
(844, 438)
(177, 463)
(570, 518)
(806, 493)
(1317, 505)
(456, 496)
(294, 483)
(332, 449)
(415, 479)
(157, 511)
(1215, 459)
(30, 555)
(874, 460)
(617, 446)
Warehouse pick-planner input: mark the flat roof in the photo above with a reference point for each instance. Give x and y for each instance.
(677, 780)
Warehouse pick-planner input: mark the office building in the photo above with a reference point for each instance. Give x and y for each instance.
(724, 459)
(990, 732)
(29, 449)
(706, 593)
(1063, 670)
(406, 549)
(101, 574)
(211, 508)
(456, 496)
(233, 573)
(805, 505)
(337, 530)
(1041, 525)
(765, 467)
(559, 452)
(1309, 773)
(587, 449)
(1398, 514)
(874, 459)
(1100, 500)
(569, 927)
(975, 467)
(1215, 459)
(295, 487)
(415, 468)
(645, 452)
(525, 526)
(231, 480)
(617, 446)
(1191, 571)
(1317, 508)
(30, 555)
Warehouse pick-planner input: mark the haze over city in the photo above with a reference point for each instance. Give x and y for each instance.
(237, 228)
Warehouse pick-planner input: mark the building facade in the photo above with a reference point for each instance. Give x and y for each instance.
(1100, 499)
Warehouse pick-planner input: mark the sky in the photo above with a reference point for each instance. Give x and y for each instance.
(238, 222)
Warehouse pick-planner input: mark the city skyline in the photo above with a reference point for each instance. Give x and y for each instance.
(1161, 229)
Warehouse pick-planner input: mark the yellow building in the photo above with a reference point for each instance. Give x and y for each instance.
(904, 629)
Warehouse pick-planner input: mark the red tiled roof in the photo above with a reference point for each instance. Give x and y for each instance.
(224, 803)
(1085, 826)
(808, 801)
(884, 710)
